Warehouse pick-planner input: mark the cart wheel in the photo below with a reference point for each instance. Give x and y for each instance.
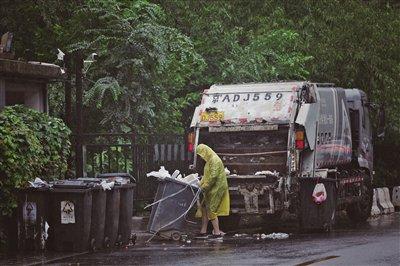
(106, 242)
(119, 240)
(133, 239)
(92, 244)
(176, 236)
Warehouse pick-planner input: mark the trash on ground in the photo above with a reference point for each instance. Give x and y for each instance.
(275, 236)
(240, 235)
(38, 183)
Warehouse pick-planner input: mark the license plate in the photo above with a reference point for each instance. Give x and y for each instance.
(212, 116)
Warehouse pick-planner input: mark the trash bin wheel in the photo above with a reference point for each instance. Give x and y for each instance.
(93, 244)
(133, 239)
(106, 242)
(119, 241)
(175, 235)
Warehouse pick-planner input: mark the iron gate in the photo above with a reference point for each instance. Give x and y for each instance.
(137, 155)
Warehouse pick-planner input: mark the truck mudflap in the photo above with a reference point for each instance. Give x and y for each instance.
(313, 216)
(254, 195)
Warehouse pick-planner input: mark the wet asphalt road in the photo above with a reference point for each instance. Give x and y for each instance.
(374, 243)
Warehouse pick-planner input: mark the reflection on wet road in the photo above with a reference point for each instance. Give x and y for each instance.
(374, 243)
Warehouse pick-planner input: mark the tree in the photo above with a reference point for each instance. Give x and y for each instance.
(143, 65)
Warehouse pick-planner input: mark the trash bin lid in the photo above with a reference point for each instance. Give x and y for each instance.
(122, 175)
(72, 183)
(90, 180)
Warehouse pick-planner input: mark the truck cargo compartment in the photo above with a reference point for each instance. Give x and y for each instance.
(245, 153)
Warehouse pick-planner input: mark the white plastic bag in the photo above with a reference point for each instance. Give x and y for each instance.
(319, 193)
(268, 173)
(275, 236)
(38, 183)
(160, 174)
(107, 185)
(175, 174)
(192, 179)
(227, 172)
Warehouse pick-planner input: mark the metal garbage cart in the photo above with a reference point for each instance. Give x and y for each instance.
(32, 218)
(172, 203)
(70, 215)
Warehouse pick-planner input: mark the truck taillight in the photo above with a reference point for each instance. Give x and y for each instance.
(191, 140)
(300, 143)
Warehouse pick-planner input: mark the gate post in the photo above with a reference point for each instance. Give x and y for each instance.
(79, 99)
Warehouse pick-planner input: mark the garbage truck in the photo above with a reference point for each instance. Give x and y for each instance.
(301, 148)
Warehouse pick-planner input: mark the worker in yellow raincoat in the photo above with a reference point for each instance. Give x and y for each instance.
(215, 190)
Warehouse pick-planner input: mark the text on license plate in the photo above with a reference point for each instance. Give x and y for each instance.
(212, 116)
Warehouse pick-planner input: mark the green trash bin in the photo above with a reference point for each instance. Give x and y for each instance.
(125, 213)
(99, 200)
(70, 215)
(32, 218)
(112, 217)
(125, 184)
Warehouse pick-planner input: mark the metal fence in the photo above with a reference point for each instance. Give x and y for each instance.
(137, 155)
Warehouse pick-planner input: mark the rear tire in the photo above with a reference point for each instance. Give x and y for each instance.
(359, 211)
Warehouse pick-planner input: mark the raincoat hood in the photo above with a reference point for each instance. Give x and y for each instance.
(205, 152)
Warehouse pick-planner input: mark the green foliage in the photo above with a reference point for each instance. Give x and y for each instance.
(241, 41)
(143, 65)
(268, 57)
(32, 144)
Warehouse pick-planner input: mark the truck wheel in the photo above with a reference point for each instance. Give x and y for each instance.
(359, 211)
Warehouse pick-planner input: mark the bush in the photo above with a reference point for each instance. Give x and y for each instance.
(32, 144)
